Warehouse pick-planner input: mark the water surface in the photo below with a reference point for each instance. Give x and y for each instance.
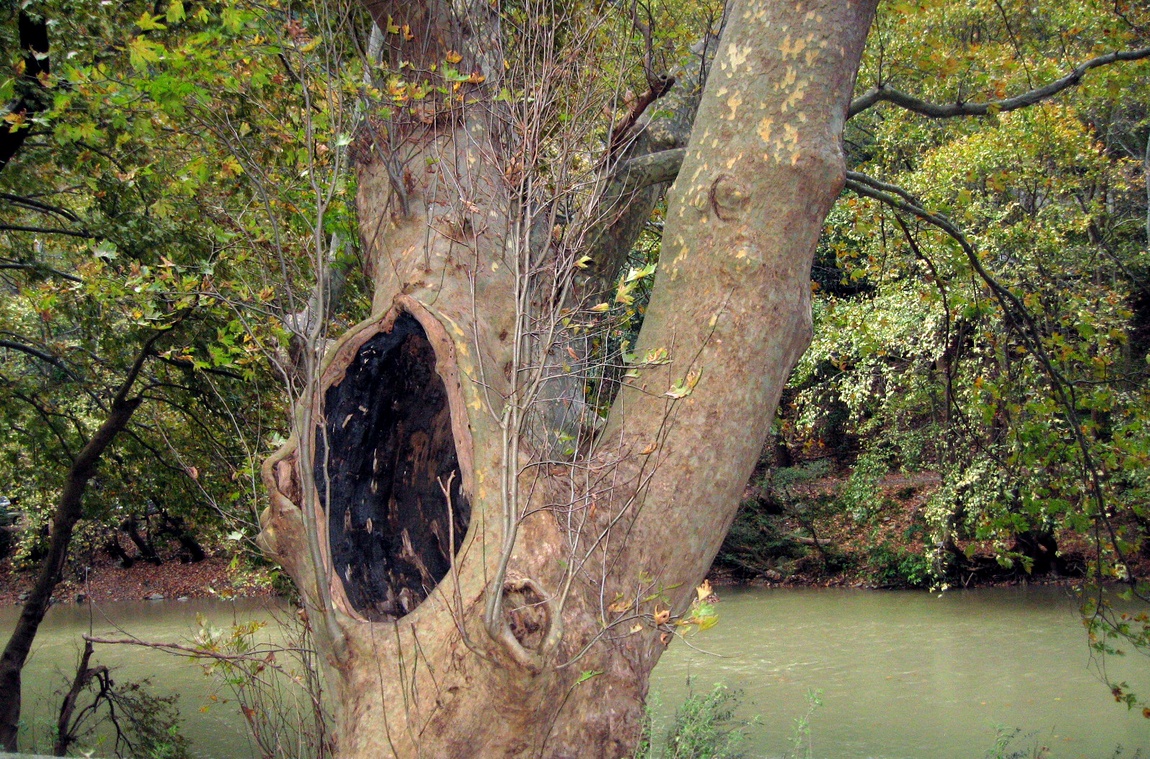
(912, 674)
(902, 674)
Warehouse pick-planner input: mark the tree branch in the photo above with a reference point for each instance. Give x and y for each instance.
(881, 93)
(82, 234)
(42, 355)
(38, 206)
(30, 89)
(190, 367)
(646, 170)
(39, 267)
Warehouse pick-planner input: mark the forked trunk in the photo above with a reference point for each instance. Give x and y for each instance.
(475, 596)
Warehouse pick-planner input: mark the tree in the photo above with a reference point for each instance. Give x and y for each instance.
(491, 569)
(134, 305)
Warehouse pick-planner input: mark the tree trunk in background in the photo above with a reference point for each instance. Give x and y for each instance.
(471, 598)
(68, 513)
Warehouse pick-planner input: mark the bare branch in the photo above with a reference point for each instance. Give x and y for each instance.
(83, 234)
(37, 205)
(41, 268)
(881, 93)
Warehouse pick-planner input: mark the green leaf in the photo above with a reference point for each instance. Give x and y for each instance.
(587, 674)
(141, 52)
(175, 12)
(684, 387)
(147, 22)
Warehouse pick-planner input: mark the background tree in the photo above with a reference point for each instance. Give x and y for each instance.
(141, 309)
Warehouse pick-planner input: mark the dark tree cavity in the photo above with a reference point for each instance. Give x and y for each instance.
(390, 457)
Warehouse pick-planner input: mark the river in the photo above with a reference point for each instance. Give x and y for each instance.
(901, 674)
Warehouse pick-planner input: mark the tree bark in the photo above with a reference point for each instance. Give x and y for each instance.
(145, 551)
(177, 528)
(488, 600)
(31, 95)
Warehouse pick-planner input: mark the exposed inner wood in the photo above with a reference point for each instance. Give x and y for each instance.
(382, 470)
(527, 614)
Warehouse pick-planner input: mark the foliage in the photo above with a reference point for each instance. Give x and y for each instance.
(762, 540)
(900, 567)
(277, 688)
(704, 727)
(127, 719)
(801, 730)
(1005, 745)
(1007, 352)
(150, 724)
(162, 189)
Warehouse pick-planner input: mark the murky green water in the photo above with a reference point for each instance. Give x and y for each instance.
(901, 674)
(910, 674)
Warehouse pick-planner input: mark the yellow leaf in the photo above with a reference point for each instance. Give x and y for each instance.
(623, 294)
(662, 616)
(619, 605)
(704, 590)
(683, 387)
(600, 308)
(649, 449)
(453, 57)
(147, 22)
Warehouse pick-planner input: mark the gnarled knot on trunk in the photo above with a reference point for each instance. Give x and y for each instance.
(527, 612)
(728, 197)
(528, 624)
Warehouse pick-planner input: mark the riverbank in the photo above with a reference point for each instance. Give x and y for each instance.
(813, 526)
(793, 533)
(107, 582)
(950, 667)
(216, 577)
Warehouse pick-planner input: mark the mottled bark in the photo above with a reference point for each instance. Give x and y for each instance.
(539, 637)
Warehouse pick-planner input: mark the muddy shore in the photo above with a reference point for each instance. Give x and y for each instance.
(107, 582)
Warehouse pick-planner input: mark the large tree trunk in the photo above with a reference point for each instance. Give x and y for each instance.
(473, 595)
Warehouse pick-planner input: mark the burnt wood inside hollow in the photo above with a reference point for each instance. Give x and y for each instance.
(388, 449)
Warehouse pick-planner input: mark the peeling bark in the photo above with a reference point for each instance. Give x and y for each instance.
(574, 566)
